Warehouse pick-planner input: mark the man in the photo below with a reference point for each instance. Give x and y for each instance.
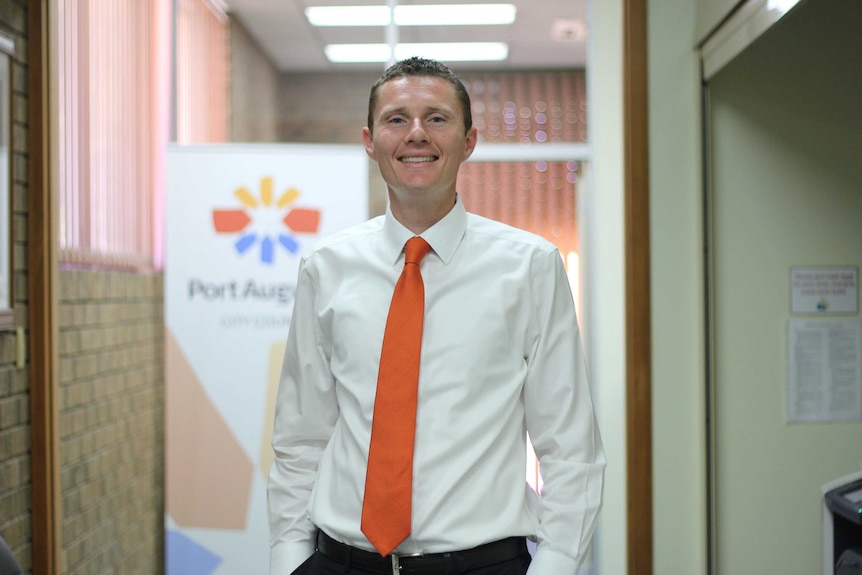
(500, 357)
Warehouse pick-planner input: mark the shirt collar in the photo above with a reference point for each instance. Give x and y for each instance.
(443, 237)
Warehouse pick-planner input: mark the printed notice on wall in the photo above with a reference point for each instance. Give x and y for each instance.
(824, 372)
(824, 290)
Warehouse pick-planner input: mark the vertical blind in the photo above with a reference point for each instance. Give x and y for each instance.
(105, 123)
(203, 73)
(527, 108)
(113, 80)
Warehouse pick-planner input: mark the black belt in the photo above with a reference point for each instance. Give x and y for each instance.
(428, 564)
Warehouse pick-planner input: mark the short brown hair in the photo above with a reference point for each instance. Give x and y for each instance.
(416, 66)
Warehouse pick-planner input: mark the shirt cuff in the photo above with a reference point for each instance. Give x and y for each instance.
(284, 558)
(549, 562)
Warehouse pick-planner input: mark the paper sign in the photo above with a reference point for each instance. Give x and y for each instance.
(824, 290)
(823, 370)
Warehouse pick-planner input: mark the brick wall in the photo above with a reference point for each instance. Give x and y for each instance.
(111, 422)
(15, 518)
(14, 453)
(253, 89)
(325, 107)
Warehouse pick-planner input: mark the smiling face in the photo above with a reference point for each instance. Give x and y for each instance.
(419, 141)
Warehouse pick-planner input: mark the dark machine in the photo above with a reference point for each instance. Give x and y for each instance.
(842, 526)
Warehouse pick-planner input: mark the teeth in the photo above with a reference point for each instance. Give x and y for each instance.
(417, 159)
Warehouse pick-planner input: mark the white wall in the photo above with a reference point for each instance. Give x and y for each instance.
(606, 284)
(710, 14)
(677, 287)
(786, 136)
(679, 485)
(788, 188)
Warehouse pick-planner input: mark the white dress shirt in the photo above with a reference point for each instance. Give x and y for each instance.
(501, 357)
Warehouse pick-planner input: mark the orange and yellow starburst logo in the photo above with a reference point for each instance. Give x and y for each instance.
(266, 223)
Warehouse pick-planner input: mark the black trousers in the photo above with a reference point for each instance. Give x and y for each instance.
(317, 564)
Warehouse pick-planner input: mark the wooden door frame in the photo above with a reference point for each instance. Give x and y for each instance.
(42, 268)
(639, 504)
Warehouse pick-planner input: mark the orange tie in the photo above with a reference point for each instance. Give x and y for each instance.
(389, 478)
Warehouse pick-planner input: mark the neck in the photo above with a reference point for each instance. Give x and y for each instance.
(418, 216)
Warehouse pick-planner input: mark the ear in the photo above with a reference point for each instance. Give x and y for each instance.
(368, 141)
(470, 144)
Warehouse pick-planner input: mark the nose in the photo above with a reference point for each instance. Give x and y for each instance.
(417, 131)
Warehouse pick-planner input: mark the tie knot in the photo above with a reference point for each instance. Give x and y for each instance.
(415, 250)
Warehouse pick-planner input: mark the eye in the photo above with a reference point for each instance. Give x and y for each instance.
(437, 119)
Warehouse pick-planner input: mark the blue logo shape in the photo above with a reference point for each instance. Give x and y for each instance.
(186, 557)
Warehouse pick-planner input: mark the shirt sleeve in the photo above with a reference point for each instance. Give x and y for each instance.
(562, 426)
(305, 415)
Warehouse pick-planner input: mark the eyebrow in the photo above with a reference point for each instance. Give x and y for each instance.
(431, 110)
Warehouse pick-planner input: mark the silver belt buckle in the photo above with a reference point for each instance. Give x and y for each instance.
(396, 561)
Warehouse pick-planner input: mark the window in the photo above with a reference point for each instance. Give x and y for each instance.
(109, 123)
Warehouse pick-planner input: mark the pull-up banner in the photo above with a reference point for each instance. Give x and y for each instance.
(238, 218)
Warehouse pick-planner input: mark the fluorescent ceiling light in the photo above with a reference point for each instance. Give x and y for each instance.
(455, 15)
(355, 53)
(419, 15)
(447, 52)
(347, 15)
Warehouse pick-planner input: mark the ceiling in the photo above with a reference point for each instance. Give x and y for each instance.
(546, 33)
